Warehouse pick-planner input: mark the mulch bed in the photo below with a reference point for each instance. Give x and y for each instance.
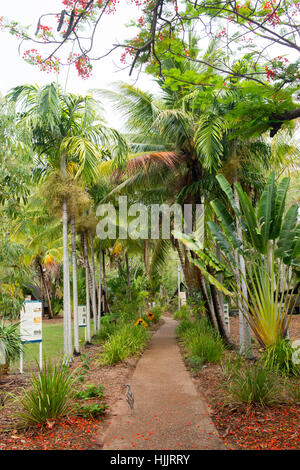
(73, 432)
(251, 428)
(256, 428)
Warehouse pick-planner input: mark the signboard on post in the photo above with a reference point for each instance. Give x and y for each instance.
(31, 326)
(226, 316)
(31, 322)
(182, 298)
(82, 316)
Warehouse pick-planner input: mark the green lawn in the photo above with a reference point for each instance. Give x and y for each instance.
(53, 346)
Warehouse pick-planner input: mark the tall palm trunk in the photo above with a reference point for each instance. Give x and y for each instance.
(88, 311)
(244, 327)
(45, 288)
(220, 279)
(66, 285)
(128, 273)
(93, 274)
(106, 306)
(220, 319)
(184, 265)
(100, 287)
(208, 305)
(146, 256)
(75, 286)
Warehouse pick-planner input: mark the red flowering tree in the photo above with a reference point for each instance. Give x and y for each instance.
(249, 34)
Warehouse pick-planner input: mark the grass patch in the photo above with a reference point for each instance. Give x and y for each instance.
(200, 341)
(251, 385)
(53, 345)
(128, 340)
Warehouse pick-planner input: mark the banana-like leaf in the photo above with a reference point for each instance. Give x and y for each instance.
(227, 222)
(228, 191)
(211, 279)
(281, 193)
(286, 242)
(222, 241)
(250, 224)
(189, 241)
(265, 211)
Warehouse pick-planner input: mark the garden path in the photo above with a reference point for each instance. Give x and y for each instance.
(169, 413)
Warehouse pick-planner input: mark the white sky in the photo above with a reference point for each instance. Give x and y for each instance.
(15, 71)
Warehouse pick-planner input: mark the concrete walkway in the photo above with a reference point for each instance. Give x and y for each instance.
(169, 413)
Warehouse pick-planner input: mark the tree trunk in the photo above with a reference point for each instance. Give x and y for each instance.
(220, 319)
(208, 306)
(128, 273)
(106, 306)
(66, 287)
(45, 289)
(94, 303)
(100, 287)
(184, 266)
(88, 311)
(146, 256)
(245, 335)
(220, 279)
(75, 287)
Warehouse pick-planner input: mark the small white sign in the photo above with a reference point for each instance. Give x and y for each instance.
(226, 316)
(31, 322)
(82, 316)
(182, 297)
(2, 353)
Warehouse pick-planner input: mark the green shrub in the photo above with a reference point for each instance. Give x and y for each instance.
(293, 391)
(232, 365)
(204, 345)
(185, 326)
(157, 312)
(10, 340)
(251, 385)
(278, 358)
(83, 370)
(107, 328)
(49, 396)
(126, 341)
(200, 340)
(90, 410)
(91, 391)
(183, 313)
(195, 362)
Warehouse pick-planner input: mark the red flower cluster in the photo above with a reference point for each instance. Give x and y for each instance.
(141, 21)
(129, 51)
(222, 33)
(84, 67)
(270, 73)
(32, 56)
(45, 31)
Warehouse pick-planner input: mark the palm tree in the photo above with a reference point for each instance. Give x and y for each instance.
(180, 140)
(67, 135)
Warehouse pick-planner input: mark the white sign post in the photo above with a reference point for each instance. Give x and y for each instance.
(82, 318)
(179, 282)
(182, 298)
(31, 327)
(2, 354)
(226, 316)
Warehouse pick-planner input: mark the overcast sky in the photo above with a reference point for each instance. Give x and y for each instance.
(15, 71)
